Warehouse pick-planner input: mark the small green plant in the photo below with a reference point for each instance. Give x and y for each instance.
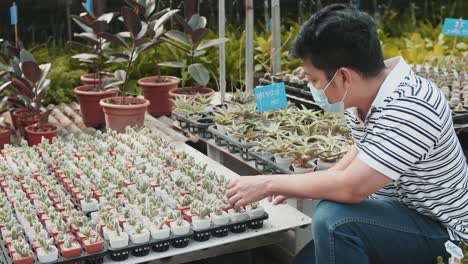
(22, 248)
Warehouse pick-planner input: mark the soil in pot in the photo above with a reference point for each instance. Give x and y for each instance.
(156, 91)
(91, 78)
(118, 116)
(34, 134)
(91, 110)
(5, 135)
(191, 92)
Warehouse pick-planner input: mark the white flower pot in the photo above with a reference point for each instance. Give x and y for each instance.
(237, 217)
(220, 220)
(117, 241)
(141, 238)
(255, 213)
(180, 230)
(221, 129)
(47, 256)
(305, 170)
(160, 233)
(107, 233)
(128, 228)
(90, 206)
(282, 161)
(201, 224)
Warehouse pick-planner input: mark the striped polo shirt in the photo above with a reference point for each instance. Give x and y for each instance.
(408, 136)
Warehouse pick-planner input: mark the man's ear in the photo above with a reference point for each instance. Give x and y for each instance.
(346, 77)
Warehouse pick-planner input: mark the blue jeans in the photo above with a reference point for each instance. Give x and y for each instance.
(373, 231)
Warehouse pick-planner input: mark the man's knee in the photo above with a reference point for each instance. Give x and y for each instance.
(328, 214)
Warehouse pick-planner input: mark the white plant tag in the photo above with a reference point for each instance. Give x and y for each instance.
(454, 250)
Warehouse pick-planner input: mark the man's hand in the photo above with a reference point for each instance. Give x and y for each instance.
(277, 199)
(247, 189)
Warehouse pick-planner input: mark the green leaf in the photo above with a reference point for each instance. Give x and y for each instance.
(199, 73)
(163, 19)
(116, 39)
(178, 36)
(4, 85)
(26, 56)
(211, 42)
(120, 75)
(173, 64)
(90, 37)
(197, 21)
(85, 56)
(144, 29)
(82, 25)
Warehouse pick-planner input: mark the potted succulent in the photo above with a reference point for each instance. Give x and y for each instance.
(180, 227)
(140, 234)
(303, 157)
(160, 230)
(219, 216)
(123, 111)
(200, 217)
(92, 243)
(331, 150)
(192, 43)
(46, 252)
(93, 89)
(254, 210)
(89, 203)
(117, 239)
(22, 253)
(156, 88)
(42, 129)
(223, 117)
(237, 215)
(70, 248)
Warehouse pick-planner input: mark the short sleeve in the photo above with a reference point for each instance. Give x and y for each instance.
(403, 134)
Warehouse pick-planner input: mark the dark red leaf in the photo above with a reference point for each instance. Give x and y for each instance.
(199, 34)
(189, 8)
(99, 26)
(113, 38)
(136, 6)
(32, 71)
(131, 20)
(183, 23)
(23, 86)
(99, 7)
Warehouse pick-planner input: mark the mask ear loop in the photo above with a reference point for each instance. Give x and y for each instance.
(328, 85)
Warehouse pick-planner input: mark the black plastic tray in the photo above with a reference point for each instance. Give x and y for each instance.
(236, 227)
(140, 250)
(460, 117)
(232, 144)
(97, 258)
(264, 162)
(197, 126)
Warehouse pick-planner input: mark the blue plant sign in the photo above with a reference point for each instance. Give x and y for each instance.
(14, 15)
(89, 6)
(455, 27)
(271, 97)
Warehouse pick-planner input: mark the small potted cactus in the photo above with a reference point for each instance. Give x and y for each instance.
(237, 215)
(200, 217)
(46, 252)
(117, 238)
(70, 247)
(254, 210)
(22, 253)
(89, 203)
(180, 227)
(160, 230)
(140, 234)
(219, 216)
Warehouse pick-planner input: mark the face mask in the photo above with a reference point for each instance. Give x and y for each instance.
(321, 98)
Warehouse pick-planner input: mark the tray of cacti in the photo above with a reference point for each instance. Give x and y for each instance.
(194, 114)
(238, 138)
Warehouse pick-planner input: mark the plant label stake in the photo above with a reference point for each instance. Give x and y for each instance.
(455, 252)
(457, 28)
(89, 6)
(14, 21)
(271, 97)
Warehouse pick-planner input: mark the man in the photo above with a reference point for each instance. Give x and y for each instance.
(407, 157)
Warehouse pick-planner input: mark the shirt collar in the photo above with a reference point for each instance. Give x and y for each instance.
(399, 69)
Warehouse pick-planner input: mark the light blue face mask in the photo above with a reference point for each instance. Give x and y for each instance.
(321, 98)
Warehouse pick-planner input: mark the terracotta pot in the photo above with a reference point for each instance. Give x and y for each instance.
(191, 92)
(119, 116)
(15, 116)
(26, 119)
(93, 248)
(5, 135)
(91, 110)
(35, 137)
(156, 90)
(89, 78)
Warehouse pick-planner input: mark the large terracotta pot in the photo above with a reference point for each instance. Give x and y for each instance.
(5, 135)
(15, 115)
(91, 110)
(156, 90)
(35, 137)
(191, 92)
(119, 116)
(89, 78)
(23, 118)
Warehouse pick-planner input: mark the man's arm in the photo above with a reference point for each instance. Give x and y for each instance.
(349, 185)
(346, 160)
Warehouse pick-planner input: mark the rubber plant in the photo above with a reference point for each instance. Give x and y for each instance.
(193, 43)
(92, 91)
(156, 88)
(124, 110)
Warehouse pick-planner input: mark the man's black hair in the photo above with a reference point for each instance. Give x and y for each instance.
(340, 36)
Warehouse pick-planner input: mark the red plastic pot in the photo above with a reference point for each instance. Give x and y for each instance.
(25, 119)
(91, 79)
(119, 116)
(91, 110)
(156, 90)
(73, 252)
(17, 259)
(35, 137)
(5, 135)
(94, 247)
